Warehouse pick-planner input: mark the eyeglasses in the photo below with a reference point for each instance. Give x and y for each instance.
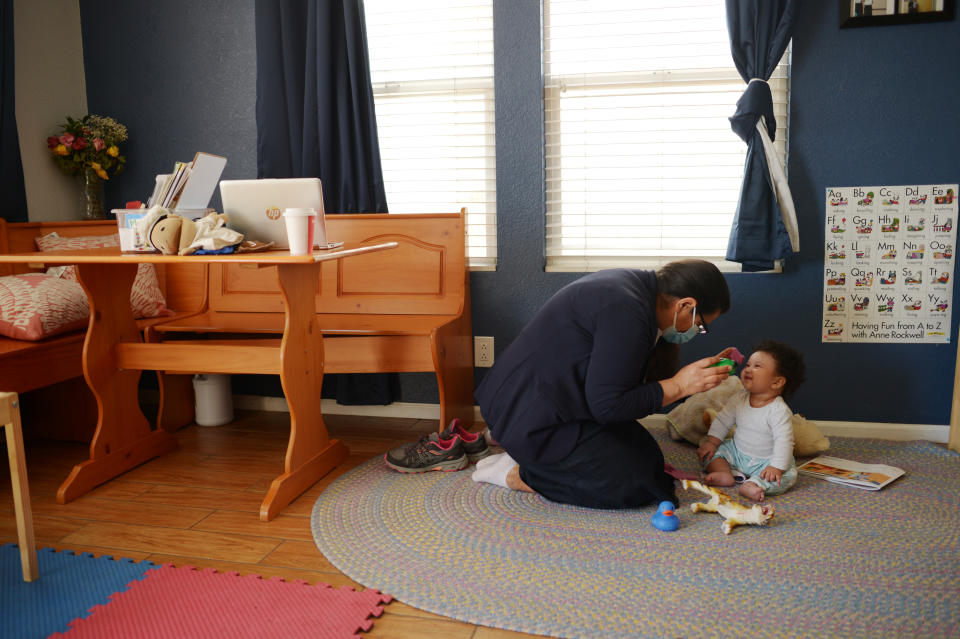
(702, 327)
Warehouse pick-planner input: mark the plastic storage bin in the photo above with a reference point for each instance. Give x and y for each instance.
(214, 401)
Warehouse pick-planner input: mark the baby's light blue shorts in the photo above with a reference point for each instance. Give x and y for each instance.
(750, 468)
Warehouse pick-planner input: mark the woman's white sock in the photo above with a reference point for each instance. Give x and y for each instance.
(494, 469)
(486, 461)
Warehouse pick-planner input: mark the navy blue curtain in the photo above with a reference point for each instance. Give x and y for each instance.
(13, 204)
(316, 118)
(760, 31)
(315, 114)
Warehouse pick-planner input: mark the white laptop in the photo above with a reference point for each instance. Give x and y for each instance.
(255, 207)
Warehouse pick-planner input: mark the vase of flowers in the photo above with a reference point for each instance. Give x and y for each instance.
(90, 148)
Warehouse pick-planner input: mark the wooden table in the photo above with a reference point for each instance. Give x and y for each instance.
(114, 355)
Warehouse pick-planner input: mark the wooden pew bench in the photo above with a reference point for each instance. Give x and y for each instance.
(402, 310)
(57, 402)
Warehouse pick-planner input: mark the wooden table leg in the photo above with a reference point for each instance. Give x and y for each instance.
(176, 408)
(123, 438)
(311, 453)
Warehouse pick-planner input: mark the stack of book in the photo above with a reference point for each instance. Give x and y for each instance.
(190, 185)
(166, 192)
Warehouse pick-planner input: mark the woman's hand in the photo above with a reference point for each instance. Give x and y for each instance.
(694, 378)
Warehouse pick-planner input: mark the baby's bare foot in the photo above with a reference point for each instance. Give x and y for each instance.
(751, 491)
(718, 479)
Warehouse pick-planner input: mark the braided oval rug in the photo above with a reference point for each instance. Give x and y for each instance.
(836, 561)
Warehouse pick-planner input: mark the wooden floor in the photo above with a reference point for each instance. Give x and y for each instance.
(198, 506)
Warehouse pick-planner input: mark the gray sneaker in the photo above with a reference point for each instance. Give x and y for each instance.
(430, 452)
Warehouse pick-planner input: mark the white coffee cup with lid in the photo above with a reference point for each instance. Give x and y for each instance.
(301, 226)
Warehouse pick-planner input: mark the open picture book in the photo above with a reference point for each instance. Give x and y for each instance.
(851, 473)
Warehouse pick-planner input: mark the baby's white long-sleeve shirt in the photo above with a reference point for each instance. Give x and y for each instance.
(765, 432)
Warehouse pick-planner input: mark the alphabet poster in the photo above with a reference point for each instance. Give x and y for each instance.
(888, 263)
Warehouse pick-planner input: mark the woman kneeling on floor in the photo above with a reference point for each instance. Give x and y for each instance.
(564, 399)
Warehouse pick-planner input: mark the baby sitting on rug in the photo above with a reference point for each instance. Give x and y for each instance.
(761, 451)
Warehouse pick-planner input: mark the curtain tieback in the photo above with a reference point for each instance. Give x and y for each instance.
(756, 101)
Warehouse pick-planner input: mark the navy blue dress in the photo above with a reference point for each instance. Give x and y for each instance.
(564, 397)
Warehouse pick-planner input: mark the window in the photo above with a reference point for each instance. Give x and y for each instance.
(642, 166)
(431, 64)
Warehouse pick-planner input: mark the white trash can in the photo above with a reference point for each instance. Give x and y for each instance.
(214, 401)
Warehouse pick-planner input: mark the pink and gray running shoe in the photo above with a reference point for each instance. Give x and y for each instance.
(430, 452)
(474, 444)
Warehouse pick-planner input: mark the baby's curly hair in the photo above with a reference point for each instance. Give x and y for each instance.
(789, 364)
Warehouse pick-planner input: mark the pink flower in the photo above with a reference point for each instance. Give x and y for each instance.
(53, 141)
(99, 144)
(79, 144)
(67, 140)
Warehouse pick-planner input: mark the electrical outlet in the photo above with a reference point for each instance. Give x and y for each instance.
(483, 352)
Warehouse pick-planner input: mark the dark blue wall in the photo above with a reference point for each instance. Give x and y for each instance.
(868, 106)
(181, 76)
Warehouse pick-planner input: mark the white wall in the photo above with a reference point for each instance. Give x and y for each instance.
(50, 85)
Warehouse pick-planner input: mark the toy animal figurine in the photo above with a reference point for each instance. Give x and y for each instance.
(173, 234)
(733, 512)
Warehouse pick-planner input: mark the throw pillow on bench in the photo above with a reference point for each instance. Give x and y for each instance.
(146, 298)
(38, 305)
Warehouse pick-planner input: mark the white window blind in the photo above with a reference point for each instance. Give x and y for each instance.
(642, 166)
(431, 65)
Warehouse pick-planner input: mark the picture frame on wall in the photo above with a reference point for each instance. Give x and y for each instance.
(875, 13)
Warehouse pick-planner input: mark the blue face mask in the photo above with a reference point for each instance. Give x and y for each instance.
(672, 335)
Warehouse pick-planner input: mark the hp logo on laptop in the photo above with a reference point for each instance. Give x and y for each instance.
(273, 213)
